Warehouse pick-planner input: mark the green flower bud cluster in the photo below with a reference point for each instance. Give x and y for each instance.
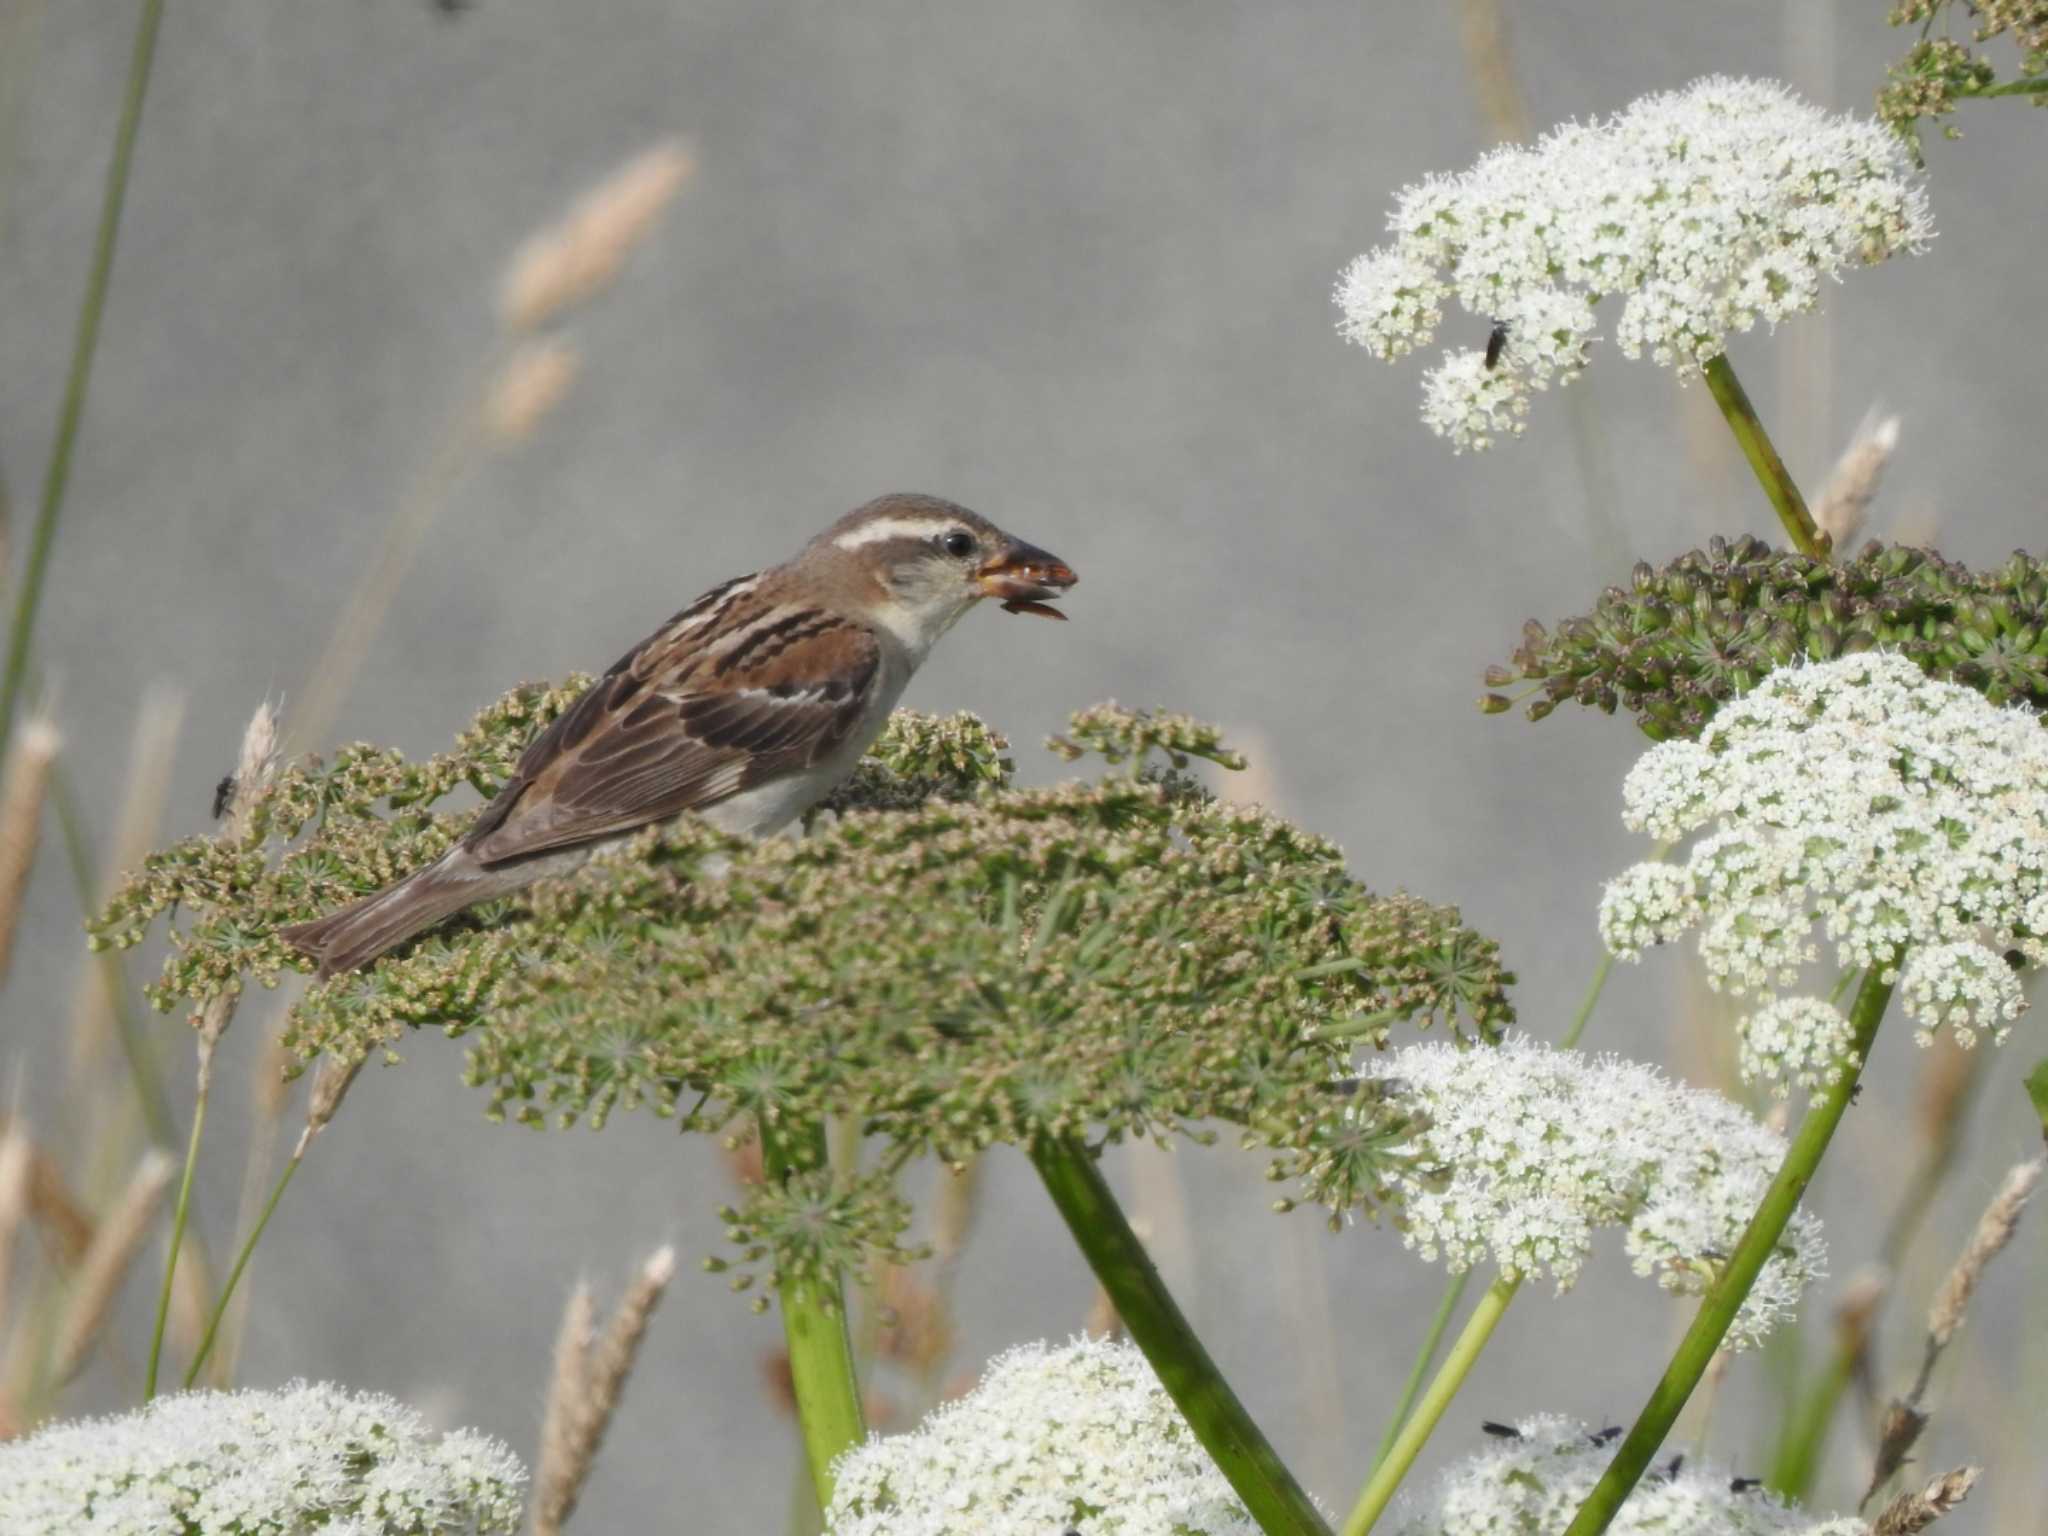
(1680, 641)
(1939, 70)
(949, 959)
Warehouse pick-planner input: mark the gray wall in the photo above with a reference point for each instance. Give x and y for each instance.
(1067, 263)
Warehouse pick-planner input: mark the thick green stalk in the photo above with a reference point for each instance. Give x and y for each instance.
(814, 1327)
(1725, 1296)
(85, 342)
(1386, 1477)
(1157, 1327)
(227, 1293)
(1797, 1463)
(1763, 458)
(178, 1214)
(1446, 1309)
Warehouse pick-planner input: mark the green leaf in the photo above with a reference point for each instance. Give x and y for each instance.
(2037, 1090)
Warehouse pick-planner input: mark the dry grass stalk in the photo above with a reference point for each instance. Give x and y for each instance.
(108, 1260)
(50, 1201)
(17, 1161)
(1103, 1320)
(1843, 505)
(1484, 32)
(915, 1326)
(21, 821)
(1904, 1419)
(953, 1217)
(152, 750)
(558, 1417)
(1915, 1511)
(589, 1377)
(533, 381)
(330, 1086)
(577, 258)
(254, 764)
(1995, 1228)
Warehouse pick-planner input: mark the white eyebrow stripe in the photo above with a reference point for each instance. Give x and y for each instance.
(890, 528)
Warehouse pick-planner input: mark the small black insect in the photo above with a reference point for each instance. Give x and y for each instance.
(1744, 1484)
(1496, 343)
(1855, 1093)
(1605, 1436)
(223, 792)
(1500, 1431)
(1671, 1468)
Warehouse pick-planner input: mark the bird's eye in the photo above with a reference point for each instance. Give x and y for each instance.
(958, 544)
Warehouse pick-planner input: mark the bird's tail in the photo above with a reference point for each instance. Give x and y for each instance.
(357, 934)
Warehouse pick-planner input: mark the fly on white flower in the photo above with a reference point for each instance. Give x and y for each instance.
(1082, 1436)
(1532, 1480)
(299, 1459)
(1904, 818)
(1522, 1152)
(1703, 210)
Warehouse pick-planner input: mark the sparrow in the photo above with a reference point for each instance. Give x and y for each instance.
(746, 708)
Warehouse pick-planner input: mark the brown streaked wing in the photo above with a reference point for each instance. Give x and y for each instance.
(663, 732)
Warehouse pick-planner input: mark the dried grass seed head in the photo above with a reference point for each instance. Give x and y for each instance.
(576, 259)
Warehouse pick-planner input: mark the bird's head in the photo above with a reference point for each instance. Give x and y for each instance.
(922, 562)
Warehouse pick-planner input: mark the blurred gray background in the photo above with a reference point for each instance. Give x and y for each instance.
(1069, 264)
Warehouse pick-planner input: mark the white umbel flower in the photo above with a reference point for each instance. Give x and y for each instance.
(1532, 1485)
(1078, 1438)
(298, 1460)
(1902, 819)
(1522, 1152)
(1704, 210)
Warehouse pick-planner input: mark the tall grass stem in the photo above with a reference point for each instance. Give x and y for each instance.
(71, 412)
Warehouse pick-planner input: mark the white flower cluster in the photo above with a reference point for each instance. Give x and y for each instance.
(1522, 1152)
(1532, 1485)
(1079, 1438)
(1706, 209)
(259, 1464)
(1908, 817)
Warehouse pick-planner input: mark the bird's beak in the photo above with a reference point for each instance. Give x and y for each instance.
(1024, 576)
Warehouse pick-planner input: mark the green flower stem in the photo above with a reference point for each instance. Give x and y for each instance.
(1763, 458)
(1454, 1291)
(2035, 86)
(227, 1293)
(178, 1214)
(1446, 1309)
(1157, 1327)
(1386, 1477)
(1806, 1433)
(1725, 1296)
(85, 342)
(814, 1326)
(1797, 1463)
